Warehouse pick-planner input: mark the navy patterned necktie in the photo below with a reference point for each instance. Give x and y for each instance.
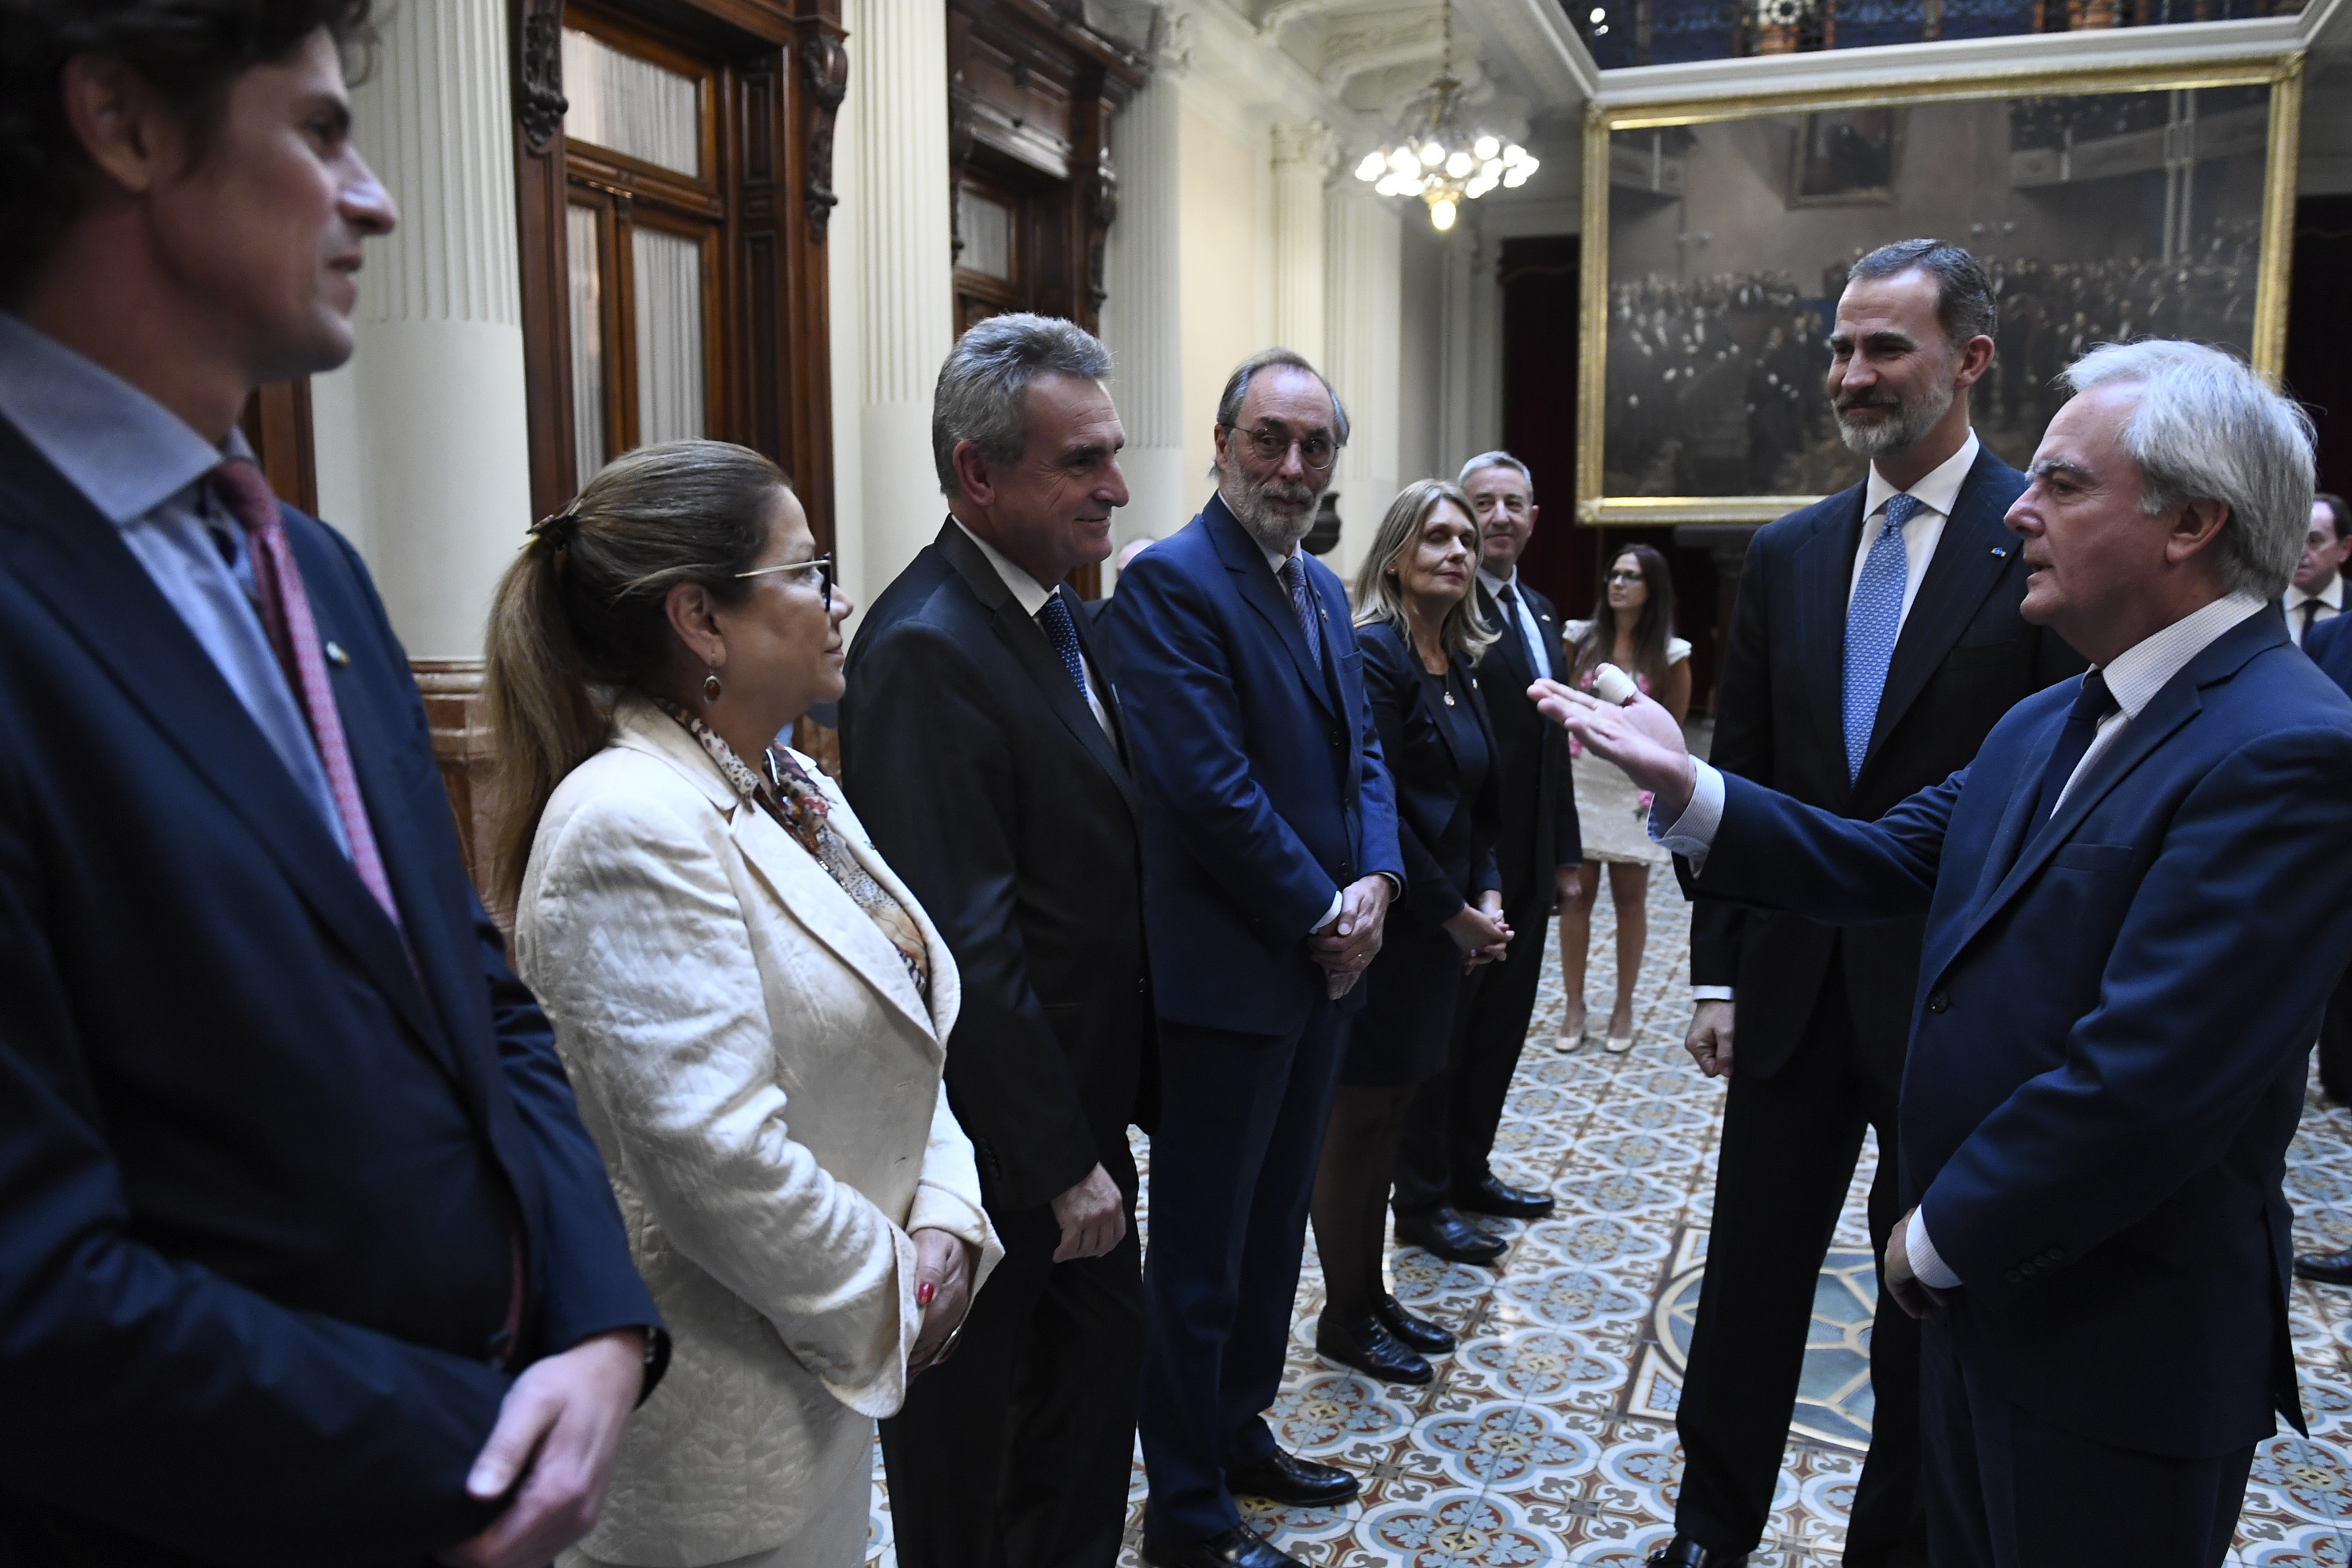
(1873, 622)
(1294, 577)
(1063, 632)
(2092, 704)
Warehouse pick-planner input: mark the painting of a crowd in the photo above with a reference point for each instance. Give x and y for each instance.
(1715, 386)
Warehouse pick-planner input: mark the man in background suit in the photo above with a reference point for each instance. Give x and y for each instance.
(304, 1254)
(1270, 850)
(1449, 1132)
(2329, 645)
(2316, 595)
(2109, 1039)
(1876, 641)
(980, 746)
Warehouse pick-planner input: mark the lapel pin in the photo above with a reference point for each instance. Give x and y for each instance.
(2000, 552)
(335, 654)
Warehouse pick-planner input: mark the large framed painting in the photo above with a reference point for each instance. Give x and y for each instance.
(2105, 206)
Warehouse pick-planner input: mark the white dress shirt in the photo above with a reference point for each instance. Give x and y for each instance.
(1538, 657)
(1032, 595)
(2133, 676)
(2330, 600)
(1936, 494)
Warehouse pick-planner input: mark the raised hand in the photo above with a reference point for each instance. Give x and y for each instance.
(1638, 735)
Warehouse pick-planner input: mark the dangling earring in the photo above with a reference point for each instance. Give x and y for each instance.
(710, 687)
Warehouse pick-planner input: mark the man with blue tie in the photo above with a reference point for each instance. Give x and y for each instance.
(2109, 1038)
(1270, 856)
(1441, 1159)
(305, 1257)
(1876, 642)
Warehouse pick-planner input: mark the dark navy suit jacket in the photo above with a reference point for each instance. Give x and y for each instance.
(2111, 1032)
(258, 1175)
(2329, 644)
(1264, 789)
(1965, 658)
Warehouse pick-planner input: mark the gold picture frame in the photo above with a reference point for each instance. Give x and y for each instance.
(2282, 74)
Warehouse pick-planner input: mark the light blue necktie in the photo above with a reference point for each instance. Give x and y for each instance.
(1294, 576)
(1872, 621)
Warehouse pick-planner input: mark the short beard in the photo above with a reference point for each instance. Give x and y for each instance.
(1905, 427)
(1252, 507)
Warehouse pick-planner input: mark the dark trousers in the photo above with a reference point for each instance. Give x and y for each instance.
(1789, 1142)
(1017, 1451)
(2335, 1043)
(2006, 1489)
(1233, 1162)
(1449, 1129)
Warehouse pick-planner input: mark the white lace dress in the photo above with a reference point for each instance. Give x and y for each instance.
(1613, 816)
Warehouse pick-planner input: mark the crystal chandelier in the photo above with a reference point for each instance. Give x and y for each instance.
(1441, 159)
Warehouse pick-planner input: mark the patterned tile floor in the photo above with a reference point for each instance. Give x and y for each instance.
(1549, 1436)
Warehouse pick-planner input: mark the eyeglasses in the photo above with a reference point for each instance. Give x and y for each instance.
(1272, 443)
(821, 565)
(1623, 577)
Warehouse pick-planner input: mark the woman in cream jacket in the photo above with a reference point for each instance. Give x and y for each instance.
(753, 1007)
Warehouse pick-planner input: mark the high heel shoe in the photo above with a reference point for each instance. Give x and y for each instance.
(1617, 1045)
(1568, 1042)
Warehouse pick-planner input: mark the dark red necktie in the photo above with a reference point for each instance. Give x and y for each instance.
(286, 616)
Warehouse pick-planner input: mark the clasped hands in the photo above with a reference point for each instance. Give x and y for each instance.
(1350, 940)
(1480, 930)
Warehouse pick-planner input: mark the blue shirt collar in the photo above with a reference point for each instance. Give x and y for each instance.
(125, 452)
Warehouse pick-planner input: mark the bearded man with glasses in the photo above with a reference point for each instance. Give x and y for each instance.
(1270, 856)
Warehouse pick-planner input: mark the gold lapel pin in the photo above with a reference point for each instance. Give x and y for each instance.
(335, 654)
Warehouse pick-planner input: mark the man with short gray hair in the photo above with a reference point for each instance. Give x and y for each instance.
(983, 747)
(2109, 1042)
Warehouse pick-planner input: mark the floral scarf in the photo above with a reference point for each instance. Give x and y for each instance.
(790, 796)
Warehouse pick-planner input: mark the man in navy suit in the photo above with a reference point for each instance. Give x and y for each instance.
(1876, 642)
(1270, 856)
(2109, 1038)
(2328, 641)
(305, 1258)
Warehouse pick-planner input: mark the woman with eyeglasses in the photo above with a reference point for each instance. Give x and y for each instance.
(753, 1008)
(1632, 628)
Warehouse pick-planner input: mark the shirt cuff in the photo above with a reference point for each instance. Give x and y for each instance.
(1710, 993)
(1926, 1261)
(1691, 833)
(1330, 914)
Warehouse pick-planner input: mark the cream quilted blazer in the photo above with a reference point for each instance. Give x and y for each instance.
(763, 1081)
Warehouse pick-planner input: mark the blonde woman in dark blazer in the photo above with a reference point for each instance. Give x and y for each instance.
(752, 1005)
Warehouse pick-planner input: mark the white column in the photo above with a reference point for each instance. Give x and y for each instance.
(423, 444)
(1459, 438)
(1141, 321)
(897, 200)
(1364, 300)
(1303, 154)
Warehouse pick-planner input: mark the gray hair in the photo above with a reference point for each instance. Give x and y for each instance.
(1229, 402)
(1964, 303)
(1496, 460)
(1378, 597)
(980, 385)
(2205, 428)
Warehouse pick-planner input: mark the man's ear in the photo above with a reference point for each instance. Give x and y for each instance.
(971, 472)
(1975, 358)
(2199, 524)
(136, 140)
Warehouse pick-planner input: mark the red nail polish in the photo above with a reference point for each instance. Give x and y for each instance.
(924, 1293)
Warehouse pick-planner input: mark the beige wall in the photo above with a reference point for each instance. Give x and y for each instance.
(1219, 239)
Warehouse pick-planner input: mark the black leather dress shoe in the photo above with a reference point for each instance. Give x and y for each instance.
(1292, 1481)
(1366, 1344)
(1417, 1332)
(2327, 1267)
(1240, 1547)
(1682, 1552)
(1491, 1196)
(1443, 1233)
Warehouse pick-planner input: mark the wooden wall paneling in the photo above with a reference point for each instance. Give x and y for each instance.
(539, 104)
(277, 425)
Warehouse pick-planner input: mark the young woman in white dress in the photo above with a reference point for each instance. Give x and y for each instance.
(1632, 628)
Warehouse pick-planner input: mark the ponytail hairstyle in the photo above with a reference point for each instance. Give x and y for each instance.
(580, 616)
